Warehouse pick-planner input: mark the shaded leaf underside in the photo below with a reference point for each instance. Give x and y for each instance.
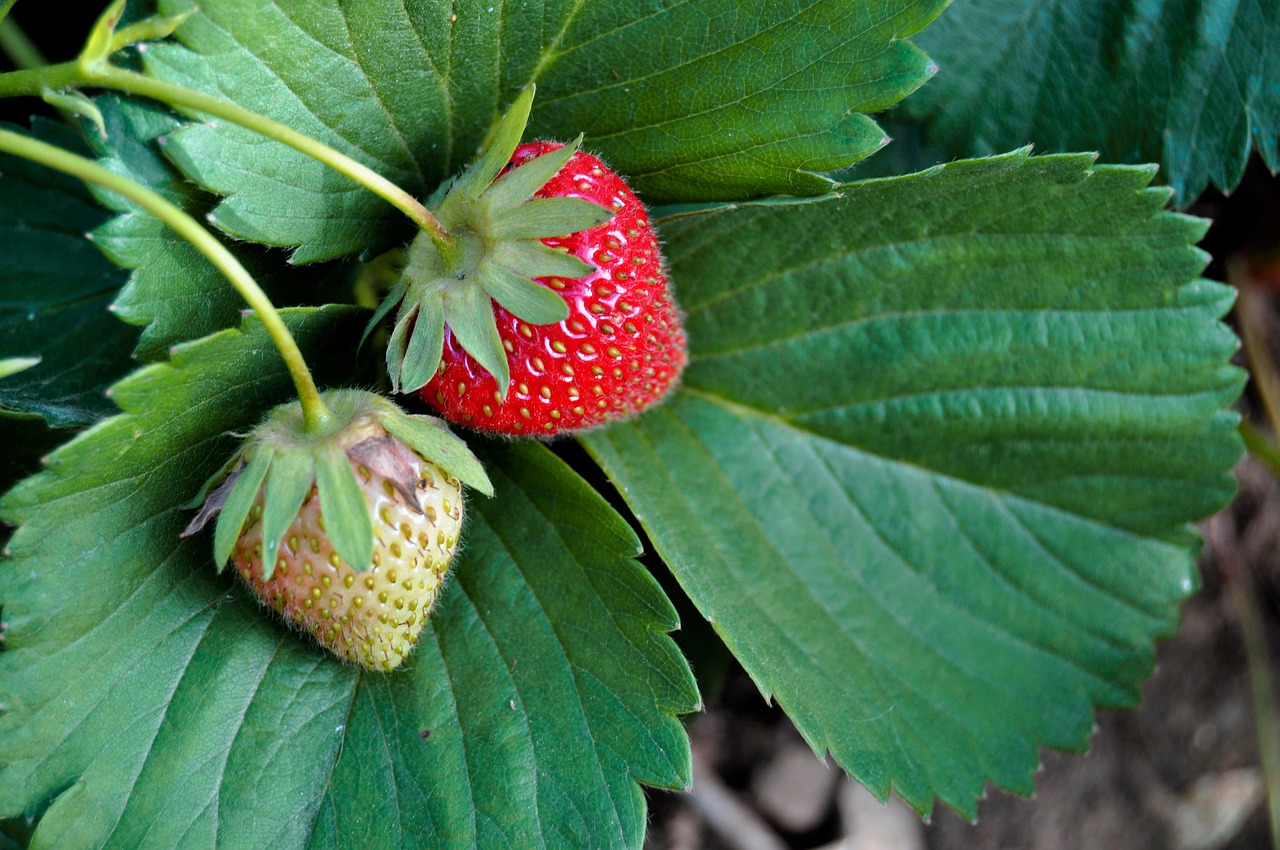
(931, 467)
(54, 291)
(166, 710)
(694, 102)
(1189, 84)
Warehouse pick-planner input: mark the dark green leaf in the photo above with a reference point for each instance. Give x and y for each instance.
(101, 592)
(1186, 83)
(931, 469)
(55, 290)
(519, 721)
(736, 103)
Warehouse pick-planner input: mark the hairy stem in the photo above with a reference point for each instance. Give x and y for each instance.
(317, 415)
(5, 6)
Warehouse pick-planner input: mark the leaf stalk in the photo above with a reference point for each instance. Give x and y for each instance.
(102, 74)
(316, 413)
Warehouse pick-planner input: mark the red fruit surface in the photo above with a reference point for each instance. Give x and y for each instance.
(619, 352)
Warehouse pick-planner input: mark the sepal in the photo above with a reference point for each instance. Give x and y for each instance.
(498, 224)
(282, 461)
(469, 314)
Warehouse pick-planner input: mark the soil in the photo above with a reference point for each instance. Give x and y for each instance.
(1179, 773)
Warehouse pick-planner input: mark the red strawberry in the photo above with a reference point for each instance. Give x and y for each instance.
(551, 312)
(348, 533)
(620, 350)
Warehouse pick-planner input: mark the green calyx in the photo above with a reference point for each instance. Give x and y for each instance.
(497, 226)
(291, 459)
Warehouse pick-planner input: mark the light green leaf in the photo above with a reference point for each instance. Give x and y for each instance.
(239, 502)
(346, 516)
(754, 101)
(549, 217)
(525, 298)
(292, 475)
(11, 366)
(431, 438)
(530, 258)
(1186, 83)
(55, 288)
(504, 144)
(522, 183)
(419, 357)
(932, 467)
(519, 721)
(469, 314)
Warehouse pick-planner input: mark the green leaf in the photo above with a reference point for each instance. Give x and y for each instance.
(175, 292)
(530, 258)
(431, 438)
(26, 438)
(346, 516)
(519, 721)
(735, 104)
(504, 144)
(536, 725)
(55, 288)
(1186, 83)
(932, 467)
(10, 366)
(105, 518)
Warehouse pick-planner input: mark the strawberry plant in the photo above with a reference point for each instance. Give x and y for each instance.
(923, 443)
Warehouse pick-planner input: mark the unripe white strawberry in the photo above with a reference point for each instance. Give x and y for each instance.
(348, 534)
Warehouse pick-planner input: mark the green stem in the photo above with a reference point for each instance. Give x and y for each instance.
(17, 47)
(109, 76)
(34, 81)
(105, 75)
(5, 6)
(1260, 446)
(317, 415)
(1258, 662)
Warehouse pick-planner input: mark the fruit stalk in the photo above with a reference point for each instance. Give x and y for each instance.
(109, 76)
(316, 413)
(36, 79)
